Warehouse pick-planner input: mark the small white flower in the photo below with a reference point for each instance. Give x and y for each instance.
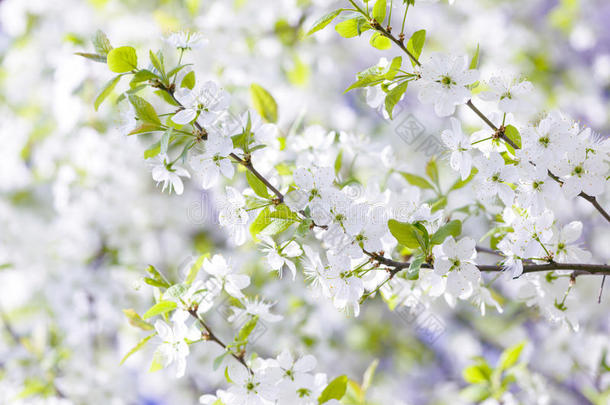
(563, 244)
(495, 175)
(214, 161)
(458, 142)
(185, 40)
(508, 93)
(174, 347)
(231, 282)
(233, 216)
(345, 287)
(279, 256)
(443, 82)
(169, 174)
(205, 101)
(255, 307)
(251, 389)
(454, 260)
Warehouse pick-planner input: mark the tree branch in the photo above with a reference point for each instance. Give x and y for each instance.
(212, 337)
(579, 268)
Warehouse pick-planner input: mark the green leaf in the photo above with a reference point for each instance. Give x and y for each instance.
(474, 63)
(338, 162)
(323, 21)
(394, 96)
(513, 134)
(153, 151)
(461, 183)
(146, 129)
(156, 364)
(156, 275)
(188, 80)
(416, 44)
(380, 42)
(393, 68)
(137, 347)
(93, 56)
(106, 90)
(101, 43)
(510, 356)
(122, 59)
(379, 11)
(164, 143)
(144, 110)
(218, 361)
(367, 379)
(246, 330)
(160, 308)
(135, 320)
(453, 228)
(157, 62)
(348, 28)
(417, 181)
(414, 266)
(194, 270)
(261, 221)
(264, 103)
(432, 170)
(257, 185)
(405, 233)
(438, 204)
(477, 373)
(142, 76)
(334, 390)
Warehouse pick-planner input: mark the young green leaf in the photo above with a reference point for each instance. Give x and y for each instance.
(323, 21)
(417, 181)
(137, 347)
(93, 56)
(453, 228)
(257, 185)
(394, 96)
(334, 390)
(122, 59)
(405, 233)
(415, 45)
(106, 90)
(188, 80)
(159, 308)
(474, 63)
(349, 28)
(264, 103)
(379, 10)
(510, 356)
(135, 320)
(144, 110)
(101, 43)
(380, 42)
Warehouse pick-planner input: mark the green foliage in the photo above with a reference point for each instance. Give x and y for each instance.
(323, 21)
(122, 59)
(453, 228)
(407, 234)
(380, 42)
(417, 181)
(144, 110)
(135, 320)
(379, 11)
(416, 44)
(487, 382)
(334, 390)
(137, 347)
(159, 308)
(188, 80)
(257, 185)
(106, 90)
(263, 103)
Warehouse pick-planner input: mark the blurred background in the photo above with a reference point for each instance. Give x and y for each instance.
(80, 217)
